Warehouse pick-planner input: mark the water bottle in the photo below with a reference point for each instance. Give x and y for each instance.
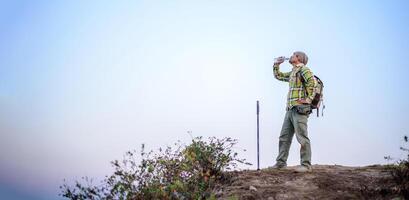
(281, 58)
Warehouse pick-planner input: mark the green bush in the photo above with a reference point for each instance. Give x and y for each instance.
(400, 173)
(182, 172)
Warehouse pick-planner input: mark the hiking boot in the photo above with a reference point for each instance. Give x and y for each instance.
(278, 166)
(303, 169)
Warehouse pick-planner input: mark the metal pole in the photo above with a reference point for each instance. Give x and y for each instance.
(258, 149)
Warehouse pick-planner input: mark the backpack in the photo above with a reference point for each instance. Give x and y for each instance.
(318, 98)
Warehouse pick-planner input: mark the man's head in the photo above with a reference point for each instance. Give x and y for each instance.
(298, 57)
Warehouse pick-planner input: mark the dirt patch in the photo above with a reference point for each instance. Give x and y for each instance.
(324, 182)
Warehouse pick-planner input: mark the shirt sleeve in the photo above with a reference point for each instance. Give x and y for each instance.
(309, 83)
(280, 75)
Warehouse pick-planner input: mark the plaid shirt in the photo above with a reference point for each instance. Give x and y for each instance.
(297, 90)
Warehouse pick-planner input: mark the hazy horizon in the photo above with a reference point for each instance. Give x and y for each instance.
(82, 82)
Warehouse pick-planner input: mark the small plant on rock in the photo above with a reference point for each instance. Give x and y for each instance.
(400, 173)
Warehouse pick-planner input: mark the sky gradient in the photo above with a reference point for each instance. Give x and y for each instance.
(81, 82)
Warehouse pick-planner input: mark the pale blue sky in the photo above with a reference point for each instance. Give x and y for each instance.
(81, 82)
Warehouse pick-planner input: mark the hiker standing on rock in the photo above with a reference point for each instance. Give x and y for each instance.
(300, 95)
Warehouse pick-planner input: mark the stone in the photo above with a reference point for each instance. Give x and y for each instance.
(252, 188)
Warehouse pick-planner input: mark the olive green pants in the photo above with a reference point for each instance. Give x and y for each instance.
(294, 122)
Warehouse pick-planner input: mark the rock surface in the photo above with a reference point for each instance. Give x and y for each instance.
(324, 182)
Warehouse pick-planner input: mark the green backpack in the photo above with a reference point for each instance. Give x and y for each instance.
(318, 98)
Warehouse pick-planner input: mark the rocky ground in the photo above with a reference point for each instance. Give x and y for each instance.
(325, 182)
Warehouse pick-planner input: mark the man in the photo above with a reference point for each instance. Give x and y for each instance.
(299, 98)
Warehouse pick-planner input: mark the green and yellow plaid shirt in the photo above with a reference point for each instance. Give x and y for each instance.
(297, 90)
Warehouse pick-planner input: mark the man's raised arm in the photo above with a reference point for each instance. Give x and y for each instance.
(280, 75)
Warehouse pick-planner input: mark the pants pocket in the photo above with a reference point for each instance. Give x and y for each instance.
(304, 109)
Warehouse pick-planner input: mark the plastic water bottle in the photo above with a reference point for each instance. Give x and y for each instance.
(279, 59)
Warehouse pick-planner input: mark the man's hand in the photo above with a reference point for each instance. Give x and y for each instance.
(279, 60)
(302, 101)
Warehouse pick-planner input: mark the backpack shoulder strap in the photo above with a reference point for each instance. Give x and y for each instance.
(299, 74)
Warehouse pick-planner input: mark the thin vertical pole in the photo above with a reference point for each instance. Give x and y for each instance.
(258, 149)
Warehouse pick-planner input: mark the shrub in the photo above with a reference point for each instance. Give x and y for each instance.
(400, 173)
(181, 172)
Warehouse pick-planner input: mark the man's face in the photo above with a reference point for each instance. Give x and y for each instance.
(294, 59)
